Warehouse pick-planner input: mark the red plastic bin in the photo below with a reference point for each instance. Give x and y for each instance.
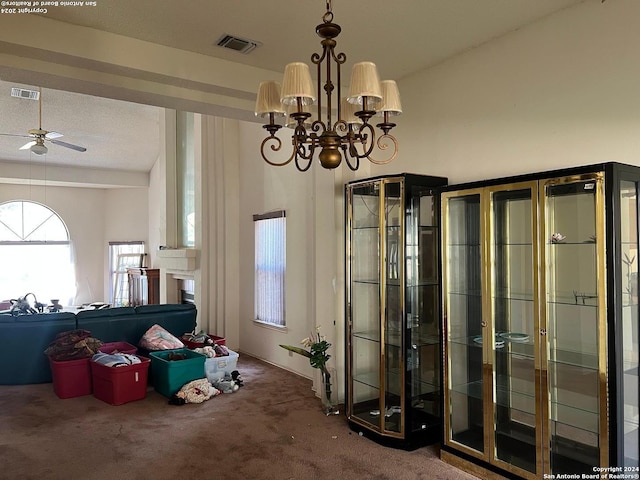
(71, 378)
(120, 347)
(119, 385)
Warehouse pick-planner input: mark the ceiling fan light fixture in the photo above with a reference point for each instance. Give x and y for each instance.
(39, 148)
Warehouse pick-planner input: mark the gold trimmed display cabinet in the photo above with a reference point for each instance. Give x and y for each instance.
(540, 303)
(393, 292)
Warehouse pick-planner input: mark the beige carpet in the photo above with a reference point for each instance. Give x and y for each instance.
(272, 428)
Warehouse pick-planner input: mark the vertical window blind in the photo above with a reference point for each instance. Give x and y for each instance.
(270, 266)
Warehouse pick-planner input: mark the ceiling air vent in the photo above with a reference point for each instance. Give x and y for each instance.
(238, 44)
(24, 93)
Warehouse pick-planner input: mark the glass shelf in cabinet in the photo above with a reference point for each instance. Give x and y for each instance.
(504, 294)
(367, 281)
(507, 385)
(469, 341)
(512, 244)
(524, 350)
(574, 418)
(366, 227)
(516, 401)
(469, 293)
(631, 425)
(505, 397)
(425, 340)
(572, 358)
(370, 335)
(476, 341)
(370, 379)
(424, 388)
(393, 340)
(471, 389)
(631, 368)
(422, 283)
(581, 299)
(564, 242)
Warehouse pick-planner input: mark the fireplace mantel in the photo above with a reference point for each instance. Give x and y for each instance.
(177, 260)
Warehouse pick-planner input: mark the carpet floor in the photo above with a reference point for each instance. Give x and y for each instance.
(272, 428)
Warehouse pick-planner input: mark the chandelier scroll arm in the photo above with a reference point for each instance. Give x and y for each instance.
(382, 144)
(275, 146)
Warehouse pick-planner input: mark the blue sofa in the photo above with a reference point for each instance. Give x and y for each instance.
(26, 337)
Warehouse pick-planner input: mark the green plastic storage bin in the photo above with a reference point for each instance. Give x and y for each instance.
(168, 376)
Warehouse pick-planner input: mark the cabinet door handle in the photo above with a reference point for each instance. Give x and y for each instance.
(484, 324)
(543, 331)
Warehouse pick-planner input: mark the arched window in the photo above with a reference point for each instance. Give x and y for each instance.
(35, 253)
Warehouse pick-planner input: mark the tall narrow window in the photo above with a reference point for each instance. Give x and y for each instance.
(270, 265)
(123, 255)
(185, 178)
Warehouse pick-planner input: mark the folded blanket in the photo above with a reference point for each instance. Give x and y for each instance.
(157, 338)
(73, 345)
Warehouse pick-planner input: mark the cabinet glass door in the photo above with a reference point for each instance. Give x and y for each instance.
(513, 312)
(422, 308)
(630, 352)
(365, 290)
(575, 324)
(462, 267)
(394, 312)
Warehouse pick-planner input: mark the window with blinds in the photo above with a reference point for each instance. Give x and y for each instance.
(123, 255)
(270, 266)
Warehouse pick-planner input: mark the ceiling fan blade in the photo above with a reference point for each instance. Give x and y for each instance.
(14, 135)
(52, 135)
(27, 146)
(69, 145)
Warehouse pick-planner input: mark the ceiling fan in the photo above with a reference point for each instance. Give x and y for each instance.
(39, 136)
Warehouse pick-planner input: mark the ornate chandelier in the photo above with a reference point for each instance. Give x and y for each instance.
(349, 134)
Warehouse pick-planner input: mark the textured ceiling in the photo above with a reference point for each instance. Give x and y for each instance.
(401, 36)
(117, 135)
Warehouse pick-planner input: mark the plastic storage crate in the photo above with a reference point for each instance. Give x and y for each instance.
(118, 385)
(191, 344)
(71, 378)
(168, 376)
(215, 368)
(120, 347)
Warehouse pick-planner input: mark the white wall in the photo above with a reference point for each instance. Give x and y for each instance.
(126, 218)
(561, 92)
(262, 189)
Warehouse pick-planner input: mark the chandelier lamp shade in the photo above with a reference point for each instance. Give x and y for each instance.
(342, 128)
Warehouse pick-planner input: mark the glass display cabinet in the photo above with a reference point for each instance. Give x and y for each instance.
(393, 309)
(540, 305)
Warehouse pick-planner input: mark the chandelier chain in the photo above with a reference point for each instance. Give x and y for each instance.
(328, 16)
